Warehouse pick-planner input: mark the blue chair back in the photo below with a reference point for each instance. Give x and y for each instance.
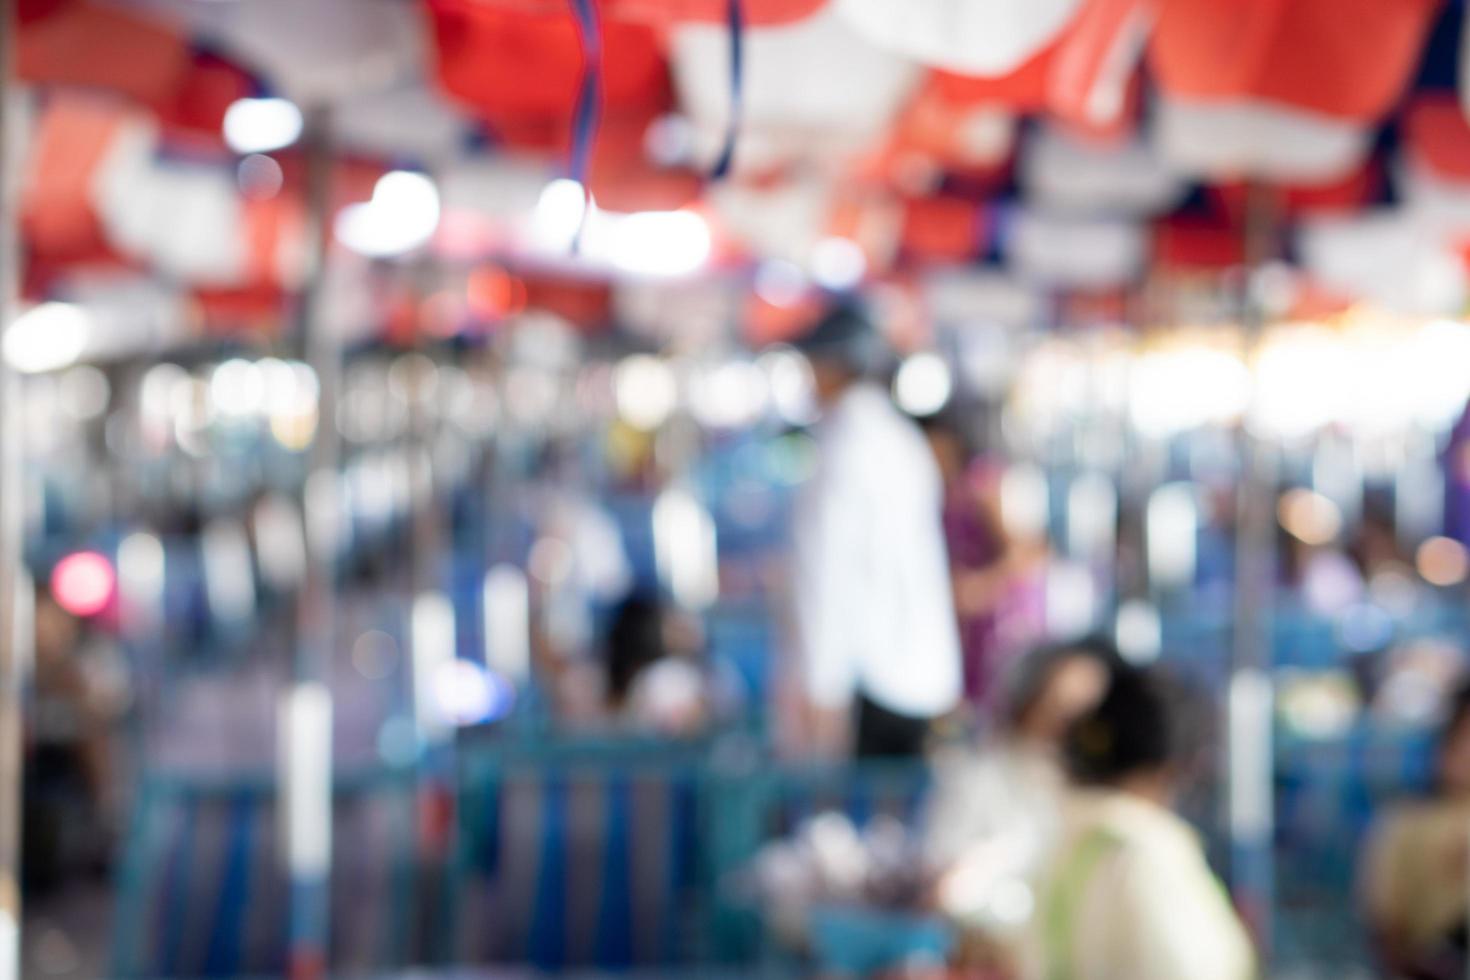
(203, 891)
(578, 854)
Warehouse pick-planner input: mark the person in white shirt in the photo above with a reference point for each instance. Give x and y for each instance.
(1129, 895)
(873, 604)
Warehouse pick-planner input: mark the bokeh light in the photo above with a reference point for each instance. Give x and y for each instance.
(83, 583)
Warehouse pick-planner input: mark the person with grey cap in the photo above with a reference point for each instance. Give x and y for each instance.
(873, 606)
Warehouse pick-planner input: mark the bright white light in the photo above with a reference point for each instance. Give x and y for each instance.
(558, 216)
(658, 243)
(1011, 902)
(140, 565)
(279, 381)
(402, 216)
(237, 388)
(262, 125)
(780, 283)
(1172, 530)
(1025, 501)
(685, 548)
(280, 541)
(432, 630)
(1250, 755)
(1299, 377)
(1139, 632)
(729, 396)
(923, 384)
(838, 263)
(47, 338)
(1442, 381)
(1071, 600)
(1183, 388)
(304, 768)
(646, 391)
(793, 390)
(229, 580)
(465, 693)
(506, 606)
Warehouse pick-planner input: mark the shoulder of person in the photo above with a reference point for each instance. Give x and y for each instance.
(1410, 817)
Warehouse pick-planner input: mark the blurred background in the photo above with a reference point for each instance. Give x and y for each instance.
(405, 407)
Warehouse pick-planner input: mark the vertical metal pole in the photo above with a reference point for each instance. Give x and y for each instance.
(1250, 752)
(12, 644)
(306, 716)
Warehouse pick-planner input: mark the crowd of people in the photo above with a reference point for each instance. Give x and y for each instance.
(1051, 837)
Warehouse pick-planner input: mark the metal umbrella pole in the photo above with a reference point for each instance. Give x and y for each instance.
(1250, 751)
(13, 645)
(304, 738)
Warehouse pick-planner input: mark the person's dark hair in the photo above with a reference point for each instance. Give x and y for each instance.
(950, 424)
(1456, 714)
(1146, 722)
(844, 334)
(635, 640)
(1035, 670)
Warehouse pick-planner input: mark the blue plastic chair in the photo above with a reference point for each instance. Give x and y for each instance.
(581, 853)
(202, 889)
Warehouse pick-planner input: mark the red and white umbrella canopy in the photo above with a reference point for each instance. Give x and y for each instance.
(991, 39)
(814, 91)
(316, 51)
(1386, 258)
(1082, 253)
(1068, 173)
(1285, 91)
(870, 135)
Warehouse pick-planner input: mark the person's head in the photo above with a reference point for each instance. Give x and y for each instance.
(841, 346)
(1057, 685)
(636, 638)
(1453, 760)
(1143, 737)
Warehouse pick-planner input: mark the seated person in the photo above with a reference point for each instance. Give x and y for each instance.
(656, 678)
(992, 816)
(1129, 893)
(1414, 876)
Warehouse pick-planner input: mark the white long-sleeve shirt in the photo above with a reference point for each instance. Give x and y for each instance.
(873, 602)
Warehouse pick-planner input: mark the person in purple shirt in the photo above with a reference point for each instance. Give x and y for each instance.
(990, 571)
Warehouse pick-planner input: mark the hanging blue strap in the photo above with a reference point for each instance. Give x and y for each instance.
(735, 17)
(588, 111)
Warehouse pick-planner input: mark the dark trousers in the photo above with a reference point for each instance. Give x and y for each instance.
(884, 734)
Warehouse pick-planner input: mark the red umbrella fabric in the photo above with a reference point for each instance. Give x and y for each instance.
(1349, 59)
(521, 71)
